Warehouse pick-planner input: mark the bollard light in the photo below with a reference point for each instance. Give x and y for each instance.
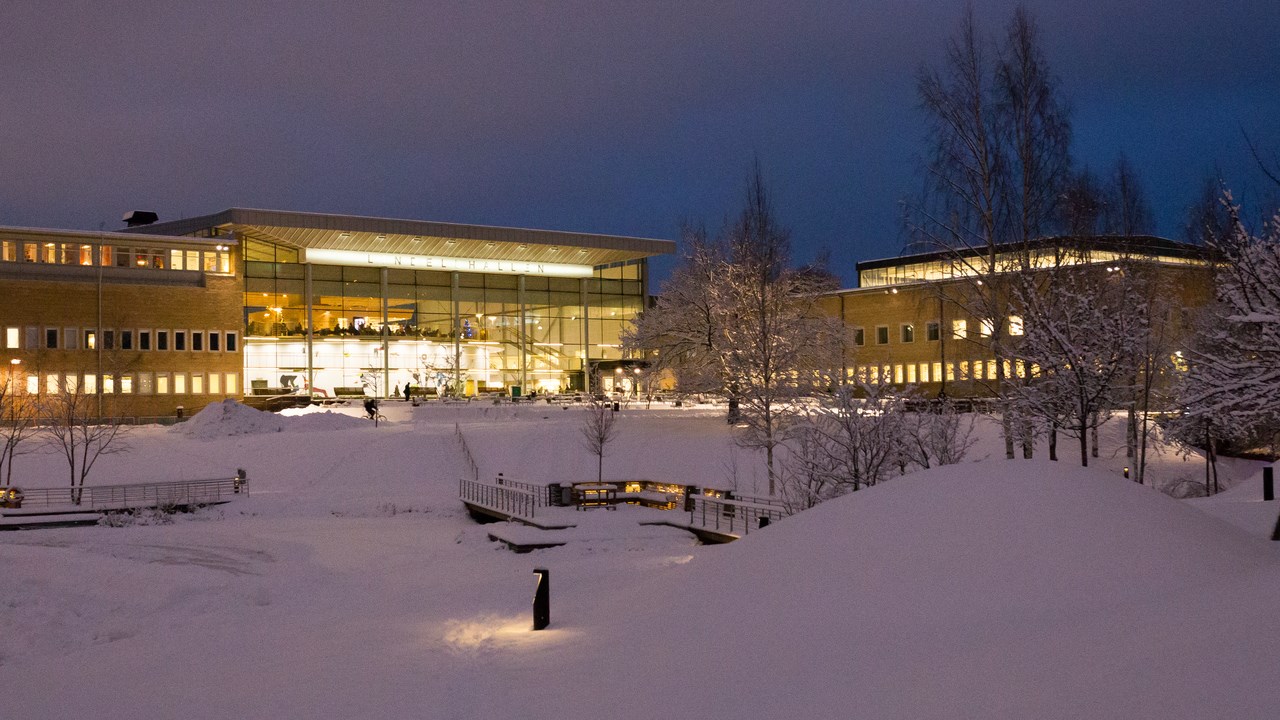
(1126, 472)
(1268, 484)
(542, 599)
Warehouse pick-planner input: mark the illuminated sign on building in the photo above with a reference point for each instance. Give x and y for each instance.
(436, 262)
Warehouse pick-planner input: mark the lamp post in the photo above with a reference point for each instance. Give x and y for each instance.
(9, 388)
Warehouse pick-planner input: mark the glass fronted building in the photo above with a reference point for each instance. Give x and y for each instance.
(340, 304)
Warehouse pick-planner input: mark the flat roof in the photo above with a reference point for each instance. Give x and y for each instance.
(106, 237)
(1138, 244)
(418, 237)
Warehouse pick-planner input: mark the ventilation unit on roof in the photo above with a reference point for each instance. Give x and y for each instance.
(134, 218)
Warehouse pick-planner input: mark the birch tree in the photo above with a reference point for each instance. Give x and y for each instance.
(998, 162)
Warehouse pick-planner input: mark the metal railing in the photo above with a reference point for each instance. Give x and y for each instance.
(502, 498)
(541, 493)
(731, 517)
(137, 495)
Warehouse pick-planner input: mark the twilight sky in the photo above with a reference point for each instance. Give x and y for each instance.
(612, 117)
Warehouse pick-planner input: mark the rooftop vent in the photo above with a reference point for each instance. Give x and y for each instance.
(134, 218)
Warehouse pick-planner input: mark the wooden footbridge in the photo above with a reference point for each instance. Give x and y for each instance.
(44, 507)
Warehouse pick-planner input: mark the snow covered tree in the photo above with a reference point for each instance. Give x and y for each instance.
(739, 319)
(853, 438)
(1231, 390)
(1085, 329)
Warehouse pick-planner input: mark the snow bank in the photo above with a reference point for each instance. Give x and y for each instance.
(1006, 589)
(230, 417)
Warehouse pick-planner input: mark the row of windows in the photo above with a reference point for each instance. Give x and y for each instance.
(933, 331)
(70, 338)
(135, 383)
(54, 253)
(934, 372)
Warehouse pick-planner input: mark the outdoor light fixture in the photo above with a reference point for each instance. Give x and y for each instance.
(542, 599)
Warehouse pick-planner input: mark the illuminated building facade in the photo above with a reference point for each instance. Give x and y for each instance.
(335, 304)
(909, 326)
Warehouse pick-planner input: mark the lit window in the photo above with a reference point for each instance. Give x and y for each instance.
(11, 338)
(180, 383)
(988, 327)
(924, 372)
(90, 339)
(126, 384)
(959, 329)
(215, 380)
(911, 374)
(33, 384)
(91, 384)
(1015, 324)
(898, 374)
(231, 379)
(197, 384)
(162, 384)
(51, 384)
(108, 384)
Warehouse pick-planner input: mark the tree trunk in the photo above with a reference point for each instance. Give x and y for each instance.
(1053, 440)
(1093, 433)
(1131, 433)
(1084, 444)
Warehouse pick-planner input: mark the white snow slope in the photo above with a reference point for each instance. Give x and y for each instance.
(351, 584)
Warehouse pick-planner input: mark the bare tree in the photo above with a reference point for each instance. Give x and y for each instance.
(941, 435)
(998, 163)
(76, 431)
(598, 430)
(18, 412)
(1126, 211)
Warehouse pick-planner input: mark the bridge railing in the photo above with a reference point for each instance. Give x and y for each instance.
(503, 498)
(108, 497)
(732, 517)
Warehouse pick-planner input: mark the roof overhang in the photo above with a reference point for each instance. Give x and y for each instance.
(416, 243)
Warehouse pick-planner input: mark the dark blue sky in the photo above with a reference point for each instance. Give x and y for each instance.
(589, 116)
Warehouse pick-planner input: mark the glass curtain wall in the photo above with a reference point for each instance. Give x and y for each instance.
(439, 332)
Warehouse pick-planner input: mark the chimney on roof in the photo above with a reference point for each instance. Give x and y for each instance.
(134, 218)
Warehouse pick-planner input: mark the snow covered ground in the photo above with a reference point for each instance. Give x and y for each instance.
(352, 584)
